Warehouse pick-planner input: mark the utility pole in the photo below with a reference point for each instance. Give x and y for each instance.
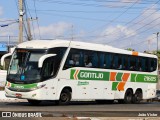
(157, 40)
(29, 30)
(72, 33)
(21, 13)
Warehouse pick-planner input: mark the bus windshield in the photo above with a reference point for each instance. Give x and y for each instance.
(24, 65)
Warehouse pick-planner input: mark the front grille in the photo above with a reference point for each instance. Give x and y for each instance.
(20, 90)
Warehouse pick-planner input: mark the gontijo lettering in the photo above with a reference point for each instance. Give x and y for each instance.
(91, 75)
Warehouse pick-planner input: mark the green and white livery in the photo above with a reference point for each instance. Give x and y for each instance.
(66, 71)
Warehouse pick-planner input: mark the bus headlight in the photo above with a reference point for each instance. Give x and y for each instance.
(40, 86)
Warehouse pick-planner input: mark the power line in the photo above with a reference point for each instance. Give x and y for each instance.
(37, 19)
(133, 20)
(139, 42)
(131, 34)
(83, 18)
(95, 1)
(31, 18)
(78, 11)
(122, 39)
(86, 4)
(16, 6)
(8, 20)
(113, 20)
(26, 15)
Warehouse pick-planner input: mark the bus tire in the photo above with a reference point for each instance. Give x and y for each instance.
(34, 102)
(65, 97)
(128, 98)
(137, 97)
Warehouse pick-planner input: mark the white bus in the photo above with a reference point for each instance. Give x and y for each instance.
(65, 71)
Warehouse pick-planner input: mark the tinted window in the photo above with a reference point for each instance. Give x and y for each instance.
(95, 59)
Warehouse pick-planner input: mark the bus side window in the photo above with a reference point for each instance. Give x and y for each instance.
(76, 58)
(108, 59)
(102, 63)
(138, 64)
(147, 65)
(112, 61)
(132, 63)
(81, 59)
(123, 62)
(120, 62)
(125, 59)
(68, 61)
(95, 60)
(48, 68)
(88, 58)
(115, 64)
(153, 63)
(143, 64)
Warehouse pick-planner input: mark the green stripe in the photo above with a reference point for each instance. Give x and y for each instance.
(133, 77)
(114, 86)
(101, 75)
(72, 73)
(119, 77)
(24, 86)
(147, 78)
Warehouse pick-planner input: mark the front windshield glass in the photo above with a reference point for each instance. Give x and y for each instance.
(24, 65)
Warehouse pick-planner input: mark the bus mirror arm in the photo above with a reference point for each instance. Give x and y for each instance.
(3, 58)
(41, 59)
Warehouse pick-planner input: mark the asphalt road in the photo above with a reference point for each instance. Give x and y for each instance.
(85, 109)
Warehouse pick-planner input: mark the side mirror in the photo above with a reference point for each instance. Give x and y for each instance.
(3, 58)
(41, 59)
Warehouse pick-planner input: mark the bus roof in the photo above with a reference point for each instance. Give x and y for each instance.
(46, 44)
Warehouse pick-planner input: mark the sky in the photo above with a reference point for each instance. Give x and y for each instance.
(118, 23)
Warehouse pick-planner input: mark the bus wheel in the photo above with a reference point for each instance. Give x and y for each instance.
(34, 102)
(128, 96)
(65, 97)
(137, 97)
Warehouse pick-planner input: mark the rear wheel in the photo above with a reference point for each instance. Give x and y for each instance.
(137, 96)
(65, 97)
(128, 96)
(34, 102)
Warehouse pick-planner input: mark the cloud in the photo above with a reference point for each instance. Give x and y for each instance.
(59, 29)
(137, 36)
(117, 31)
(112, 34)
(130, 1)
(11, 30)
(152, 16)
(149, 21)
(122, 3)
